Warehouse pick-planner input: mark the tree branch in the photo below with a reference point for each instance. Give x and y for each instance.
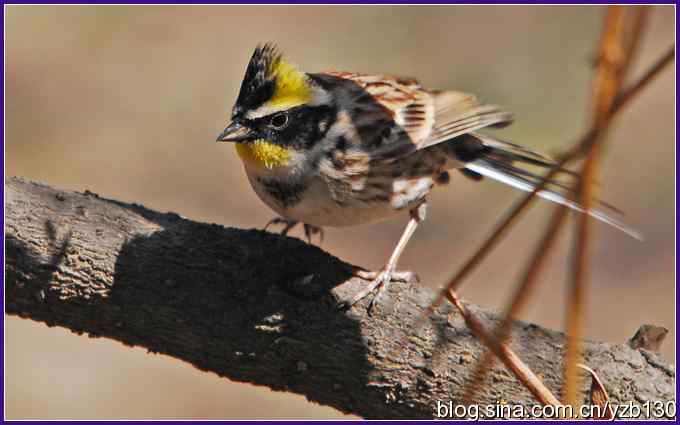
(259, 308)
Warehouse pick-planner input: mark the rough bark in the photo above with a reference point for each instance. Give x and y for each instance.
(256, 307)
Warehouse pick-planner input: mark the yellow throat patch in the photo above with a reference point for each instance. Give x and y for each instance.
(262, 153)
(292, 87)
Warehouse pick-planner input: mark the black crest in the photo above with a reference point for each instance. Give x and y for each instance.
(258, 84)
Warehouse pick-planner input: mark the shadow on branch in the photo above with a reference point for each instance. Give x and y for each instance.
(259, 308)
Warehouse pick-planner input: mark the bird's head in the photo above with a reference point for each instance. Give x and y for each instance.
(278, 112)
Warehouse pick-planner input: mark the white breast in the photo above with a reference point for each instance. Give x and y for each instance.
(316, 206)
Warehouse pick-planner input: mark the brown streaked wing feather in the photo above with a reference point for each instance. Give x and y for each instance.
(427, 117)
(412, 108)
(458, 113)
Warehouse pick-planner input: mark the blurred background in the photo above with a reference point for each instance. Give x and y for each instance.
(127, 101)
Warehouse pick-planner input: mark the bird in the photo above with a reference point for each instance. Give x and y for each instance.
(336, 149)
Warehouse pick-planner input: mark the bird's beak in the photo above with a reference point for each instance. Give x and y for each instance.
(235, 132)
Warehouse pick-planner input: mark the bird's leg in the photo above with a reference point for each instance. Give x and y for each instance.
(382, 279)
(313, 230)
(287, 224)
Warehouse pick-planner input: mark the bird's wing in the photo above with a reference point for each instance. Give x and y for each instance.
(391, 102)
(395, 116)
(426, 117)
(457, 113)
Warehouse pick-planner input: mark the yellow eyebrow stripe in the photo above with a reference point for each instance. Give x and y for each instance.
(292, 87)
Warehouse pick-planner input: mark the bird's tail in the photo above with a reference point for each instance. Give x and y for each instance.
(512, 164)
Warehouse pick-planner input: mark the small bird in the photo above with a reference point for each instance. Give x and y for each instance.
(342, 148)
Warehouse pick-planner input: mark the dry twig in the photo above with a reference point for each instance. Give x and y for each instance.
(609, 100)
(613, 57)
(520, 299)
(509, 358)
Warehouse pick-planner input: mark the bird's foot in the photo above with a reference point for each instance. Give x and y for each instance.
(311, 231)
(380, 280)
(287, 224)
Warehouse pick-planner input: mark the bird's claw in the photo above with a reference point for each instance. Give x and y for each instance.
(311, 231)
(397, 276)
(287, 224)
(380, 280)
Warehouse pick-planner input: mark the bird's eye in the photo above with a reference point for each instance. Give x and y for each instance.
(279, 120)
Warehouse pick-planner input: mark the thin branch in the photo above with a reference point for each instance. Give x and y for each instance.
(521, 297)
(634, 37)
(648, 77)
(509, 358)
(527, 282)
(495, 237)
(573, 153)
(585, 146)
(606, 85)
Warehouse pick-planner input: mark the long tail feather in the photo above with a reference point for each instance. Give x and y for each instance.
(498, 164)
